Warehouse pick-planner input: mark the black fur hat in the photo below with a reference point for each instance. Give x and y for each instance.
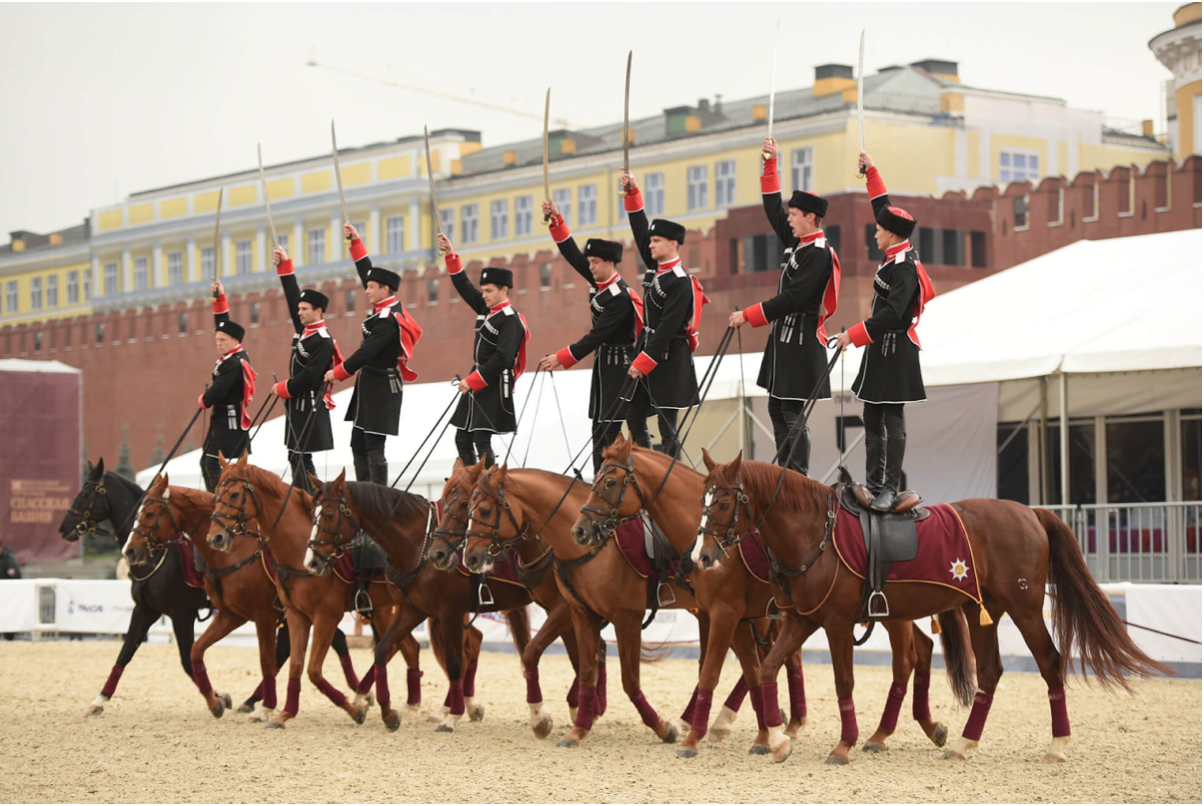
(808, 202)
(497, 276)
(610, 251)
(232, 329)
(667, 229)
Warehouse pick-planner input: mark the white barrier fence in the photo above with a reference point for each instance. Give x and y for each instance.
(103, 607)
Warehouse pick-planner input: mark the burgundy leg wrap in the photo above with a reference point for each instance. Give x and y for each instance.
(257, 694)
(366, 684)
(894, 702)
(978, 716)
(848, 721)
(798, 695)
(455, 698)
(600, 691)
(413, 687)
(353, 682)
(919, 698)
(534, 692)
(702, 711)
(573, 698)
(736, 698)
(758, 704)
(333, 694)
(111, 683)
(647, 712)
(268, 687)
(382, 684)
(770, 709)
(292, 700)
(1057, 709)
(687, 715)
(201, 677)
(470, 679)
(585, 709)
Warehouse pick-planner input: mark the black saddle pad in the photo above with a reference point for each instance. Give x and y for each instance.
(367, 557)
(199, 562)
(897, 537)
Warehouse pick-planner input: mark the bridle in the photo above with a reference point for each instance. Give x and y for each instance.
(497, 545)
(446, 534)
(335, 540)
(604, 522)
(85, 523)
(235, 524)
(725, 536)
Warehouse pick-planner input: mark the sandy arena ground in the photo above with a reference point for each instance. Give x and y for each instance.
(156, 742)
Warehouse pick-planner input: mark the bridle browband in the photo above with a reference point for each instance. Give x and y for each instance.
(497, 545)
(240, 518)
(337, 543)
(86, 524)
(605, 522)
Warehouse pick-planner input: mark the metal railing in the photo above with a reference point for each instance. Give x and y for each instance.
(1147, 542)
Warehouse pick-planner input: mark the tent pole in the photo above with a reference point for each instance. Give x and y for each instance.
(1064, 437)
(1043, 443)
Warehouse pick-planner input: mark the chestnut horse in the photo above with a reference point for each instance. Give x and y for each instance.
(1015, 550)
(245, 493)
(633, 480)
(403, 525)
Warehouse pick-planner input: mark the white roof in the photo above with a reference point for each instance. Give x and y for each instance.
(22, 365)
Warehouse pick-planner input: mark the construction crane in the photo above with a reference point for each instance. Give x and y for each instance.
(312, 61)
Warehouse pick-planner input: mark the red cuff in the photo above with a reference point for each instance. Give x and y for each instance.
(201, 402)
(860, 335)
(475, 382)
(755, 315)
(282, 390)
(358, 251)
(769, 179)
(285, 267)
(454, 266)
(559, 229)
(633, 202)
(220, 305)
(340, 374)
(644, 363)
(874, 183)
(565, 356)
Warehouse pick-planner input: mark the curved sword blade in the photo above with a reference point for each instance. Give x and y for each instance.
(426, 138)
(547, 108)
(338, 175)
(267, 202)
(217, 237)
(861, 90)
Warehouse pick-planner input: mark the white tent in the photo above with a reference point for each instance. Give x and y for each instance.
(1094, 309)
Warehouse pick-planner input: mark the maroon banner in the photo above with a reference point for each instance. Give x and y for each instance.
(40, 431)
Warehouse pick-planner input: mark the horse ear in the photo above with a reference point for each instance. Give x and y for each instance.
(221, 459)
(500, 474)
(734, 467)
(707, 460)
(100, 467)
(457, 465)
(242, 460)
(623, 451)
(341, 479)
(166, 480)
(315, 481)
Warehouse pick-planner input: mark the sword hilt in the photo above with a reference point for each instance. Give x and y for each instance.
(765, 155)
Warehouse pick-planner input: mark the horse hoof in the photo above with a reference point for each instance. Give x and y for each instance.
(836, 761)
(686, 752)
(413, 708)
(393, 721)
(445, 729)
(1052, 758)
(476, 714)
(218, 709)
(226, 700)
(543, 728)
(718, 735)
(670, 735)
(246, 708)
(566, 743)
(434, 720)
(873, 747)
(254, 720)
(94, 710)
(940, 735)
(783, 720)
(370, 700)
(759, 750)
(783, 751)
(792, 732)
(360, 715)
(953, 755)
(273, 725)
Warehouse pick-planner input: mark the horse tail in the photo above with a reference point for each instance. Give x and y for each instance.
(959, 660)
(520, 628)
(1084, 620)
(654, 653)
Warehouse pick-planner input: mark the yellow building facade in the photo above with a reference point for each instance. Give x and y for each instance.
(1179, 51)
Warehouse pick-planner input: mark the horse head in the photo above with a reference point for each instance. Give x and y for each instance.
(608, 504)
(235, 503)
(495, 522)
(452, 530)
(90, 507)
(155, 525)
(725, 510)
(334, 525)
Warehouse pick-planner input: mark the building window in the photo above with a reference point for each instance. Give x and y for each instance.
(100, 333)
(978, 249)
(182, 324)
(317, 247)
(1056, 210)
(52, 291)
(1136, 460)
(801, 168)
(587, 205)
(72, 287)
(360, 227)
(395, 234)
(1020, 212)
(87, 285)
(953, 247)
(1018, 166)
(761, 253)
(66, 336)
(1091, 202)
(1191, 439)
(432, 292)
(349, 301)
(10, 297)
(696, 187)
(469, 215)
(175, 268)
(927, 245)
(871, 243)
(545, 276)
(563, 199)
(140, 278)
(242, 257)
(725, 184)
(35, 293)
(207, 262)
(447, 220)
(254, 314)
(1124, 202)
(522, 216)
(832, 236)
(654, 195)
(498, 219)
(282, 240)
(37, 342)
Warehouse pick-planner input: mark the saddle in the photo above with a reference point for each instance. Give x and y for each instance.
(890, 537)
(369, 561)
(666, 563)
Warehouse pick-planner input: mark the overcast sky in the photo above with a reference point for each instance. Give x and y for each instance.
(100, 101)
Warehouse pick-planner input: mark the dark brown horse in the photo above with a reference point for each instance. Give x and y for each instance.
(247, 493)
(1014, 550)
(403, 525)
(627, 484)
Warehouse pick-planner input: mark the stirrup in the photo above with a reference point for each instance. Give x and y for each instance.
(661, 602)
(869, 607)
(485, 596)
(363, 603)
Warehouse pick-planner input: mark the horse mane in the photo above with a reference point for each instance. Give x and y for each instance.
(129, 485)
(649, 453)
(761, 479)
(376, 499)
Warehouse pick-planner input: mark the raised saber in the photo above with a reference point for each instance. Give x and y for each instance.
(217, 238)
(627, 122)
(430, 175)
(547, 107)
(338, 175)
(773, 77)
(264, 184)
(861, 95)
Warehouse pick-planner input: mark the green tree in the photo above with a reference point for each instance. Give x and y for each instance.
(158, 454)
(123, 459)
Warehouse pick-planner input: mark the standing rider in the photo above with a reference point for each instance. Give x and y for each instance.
(229, 394)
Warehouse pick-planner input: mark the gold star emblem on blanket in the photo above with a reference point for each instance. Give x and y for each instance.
(958, 570)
